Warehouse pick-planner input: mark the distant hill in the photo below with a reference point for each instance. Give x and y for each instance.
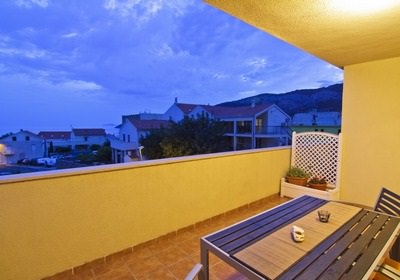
(303, 100)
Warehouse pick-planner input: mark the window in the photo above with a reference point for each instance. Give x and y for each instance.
(123, 137)
(129, 138)
(86, 139)
(27, 138)
(14, 138)
(244, 126)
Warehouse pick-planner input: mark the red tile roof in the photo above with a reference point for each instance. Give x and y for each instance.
(149, 124)
(51, 135)
(186, 108)
(89, 131)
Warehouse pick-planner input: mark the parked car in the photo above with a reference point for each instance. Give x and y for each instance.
(23, 161)
(47, 161)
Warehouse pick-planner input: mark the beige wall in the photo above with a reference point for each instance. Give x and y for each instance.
(52, 222)
(371, 130)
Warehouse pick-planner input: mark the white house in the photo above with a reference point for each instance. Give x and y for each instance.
(254, 126)
(179, 110)
(83, 138)
(126, 147)
(20, 145)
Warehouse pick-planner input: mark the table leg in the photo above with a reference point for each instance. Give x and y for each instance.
(204, 274)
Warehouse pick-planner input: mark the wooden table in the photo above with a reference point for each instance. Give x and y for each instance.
(349, 246)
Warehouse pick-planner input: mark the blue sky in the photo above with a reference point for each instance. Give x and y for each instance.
(84, 63)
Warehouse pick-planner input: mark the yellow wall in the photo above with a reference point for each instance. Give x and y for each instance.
(52, 222)
(371, 130)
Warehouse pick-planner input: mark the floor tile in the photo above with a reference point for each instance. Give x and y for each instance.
(144, 266)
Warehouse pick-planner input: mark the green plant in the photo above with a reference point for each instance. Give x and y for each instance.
(318, 180)
(297, 172)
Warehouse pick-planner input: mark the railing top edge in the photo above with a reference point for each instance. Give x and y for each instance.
(6, 179)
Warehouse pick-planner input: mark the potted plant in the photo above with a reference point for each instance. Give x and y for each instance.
(297, 176)
(318, 182)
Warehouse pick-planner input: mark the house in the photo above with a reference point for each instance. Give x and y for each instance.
(178, 111)
(55, 140)
(21, 145)
(126, 147)
(83, 138)
(250, 127)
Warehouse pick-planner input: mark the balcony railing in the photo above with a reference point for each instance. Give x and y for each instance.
(273, 130)
(71, 217)
(244, 129)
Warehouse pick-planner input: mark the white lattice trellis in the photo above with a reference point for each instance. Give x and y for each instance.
(318, 153)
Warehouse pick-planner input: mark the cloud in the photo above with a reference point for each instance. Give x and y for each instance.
(220, 76)
(81, 85)
(247, 93)
(70, 35)
(11, 47)
(166, 51)
(32, 52)
(257, 65)
(257, 62)
(143, 11)
(30, 3)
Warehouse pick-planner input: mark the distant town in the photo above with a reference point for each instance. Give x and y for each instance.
(249, 126)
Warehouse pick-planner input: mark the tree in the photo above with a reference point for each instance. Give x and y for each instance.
(104, 153)
(51, 148)
(151, 143)
(190, 136)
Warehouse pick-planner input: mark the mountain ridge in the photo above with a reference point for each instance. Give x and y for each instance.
(298, 101)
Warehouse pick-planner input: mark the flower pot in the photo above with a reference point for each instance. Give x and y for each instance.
(321, 187)
(301, 181)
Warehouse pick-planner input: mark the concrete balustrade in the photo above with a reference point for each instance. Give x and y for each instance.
(56, 220)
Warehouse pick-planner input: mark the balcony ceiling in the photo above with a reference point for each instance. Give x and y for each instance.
(333, 30)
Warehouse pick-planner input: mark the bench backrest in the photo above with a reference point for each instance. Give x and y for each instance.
(388, 202)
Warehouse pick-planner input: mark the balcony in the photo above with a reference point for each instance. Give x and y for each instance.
(56, 221)
(273, 130)
(87, 221)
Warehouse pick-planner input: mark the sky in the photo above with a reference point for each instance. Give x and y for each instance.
(85, 63)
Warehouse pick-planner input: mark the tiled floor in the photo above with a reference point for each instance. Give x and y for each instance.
(169, 257)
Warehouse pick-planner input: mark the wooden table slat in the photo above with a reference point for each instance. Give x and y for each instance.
(338, 269)
(308, 259)
(260, 256)
(261, 218)
(363, 263)
(237, 242)
(324, 261)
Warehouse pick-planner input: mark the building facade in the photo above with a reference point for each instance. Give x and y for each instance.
(250, 127)
(55, 140)
(126, 147)
(21, 145)
(83, 138)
